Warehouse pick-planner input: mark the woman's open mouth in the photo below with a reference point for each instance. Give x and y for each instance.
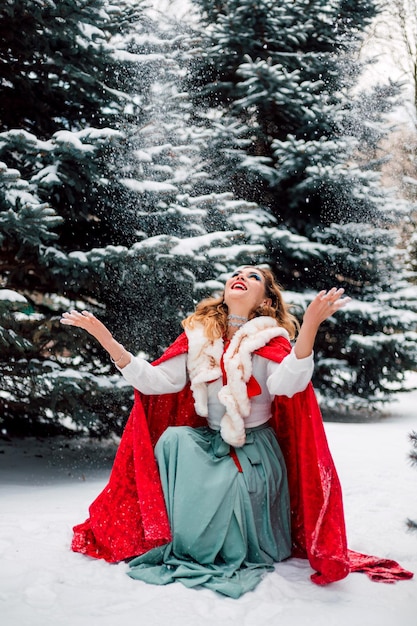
(239, 285)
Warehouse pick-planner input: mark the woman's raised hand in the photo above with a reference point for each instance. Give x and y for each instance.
(324, 305)
(320, 308)
(87, 321)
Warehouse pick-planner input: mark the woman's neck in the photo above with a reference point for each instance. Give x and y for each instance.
(234, 322)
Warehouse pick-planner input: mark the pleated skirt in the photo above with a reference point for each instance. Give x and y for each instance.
(230, 517)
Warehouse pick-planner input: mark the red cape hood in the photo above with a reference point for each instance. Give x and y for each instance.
(129, 516)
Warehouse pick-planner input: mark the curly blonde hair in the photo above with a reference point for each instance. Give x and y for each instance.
(212, 312)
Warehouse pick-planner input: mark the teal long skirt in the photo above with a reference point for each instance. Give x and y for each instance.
(228, 526)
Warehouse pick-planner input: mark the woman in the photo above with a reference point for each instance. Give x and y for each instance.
(232, 386)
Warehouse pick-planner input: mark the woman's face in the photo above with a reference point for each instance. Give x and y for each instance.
(245, 290)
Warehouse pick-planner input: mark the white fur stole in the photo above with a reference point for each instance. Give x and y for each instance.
(203, 364)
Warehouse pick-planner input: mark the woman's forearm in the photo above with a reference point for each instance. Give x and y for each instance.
(118, 353)
(304, 344)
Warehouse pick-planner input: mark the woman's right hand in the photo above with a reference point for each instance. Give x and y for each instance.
(87, 321)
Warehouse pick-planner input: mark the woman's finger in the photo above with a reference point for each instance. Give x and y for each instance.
(76, 318)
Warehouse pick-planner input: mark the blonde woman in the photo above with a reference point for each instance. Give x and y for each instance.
(243, 476)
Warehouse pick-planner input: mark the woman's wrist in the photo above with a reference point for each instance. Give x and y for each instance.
(119, 355)
(117, 352)
(117, 360)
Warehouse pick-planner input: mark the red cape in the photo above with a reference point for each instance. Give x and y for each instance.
(129, 516)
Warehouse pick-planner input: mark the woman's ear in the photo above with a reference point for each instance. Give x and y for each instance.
(267, 302)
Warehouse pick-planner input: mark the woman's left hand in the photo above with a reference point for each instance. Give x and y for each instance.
(320, 308)
(324, 305)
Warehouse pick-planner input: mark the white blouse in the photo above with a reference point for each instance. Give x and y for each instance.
(286, 378)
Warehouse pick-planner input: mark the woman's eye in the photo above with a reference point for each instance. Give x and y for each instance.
(255, 276)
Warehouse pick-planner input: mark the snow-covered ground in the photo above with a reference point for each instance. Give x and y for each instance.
(46, 487)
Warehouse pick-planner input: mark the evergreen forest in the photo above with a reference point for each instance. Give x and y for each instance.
(146, 153)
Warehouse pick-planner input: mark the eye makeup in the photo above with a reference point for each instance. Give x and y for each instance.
(250, 274)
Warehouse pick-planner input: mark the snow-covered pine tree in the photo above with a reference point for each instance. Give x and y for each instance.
(290, 129)
(62, 107)
(103, 205)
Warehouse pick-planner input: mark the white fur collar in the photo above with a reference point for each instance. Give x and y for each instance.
(203, 365)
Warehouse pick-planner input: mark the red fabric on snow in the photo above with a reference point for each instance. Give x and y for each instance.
(129, 516)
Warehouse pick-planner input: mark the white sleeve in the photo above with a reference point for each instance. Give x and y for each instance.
(290, 376)
(167, 377)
